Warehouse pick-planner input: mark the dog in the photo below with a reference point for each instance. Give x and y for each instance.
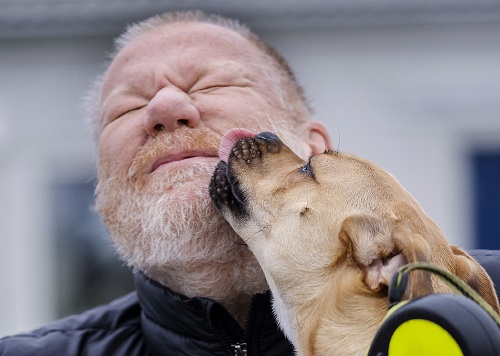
(329, 233)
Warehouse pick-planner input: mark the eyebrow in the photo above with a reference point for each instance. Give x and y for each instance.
(119, 91)
(116, 92)
(107, 102)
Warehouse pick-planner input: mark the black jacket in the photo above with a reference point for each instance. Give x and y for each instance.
(155, 321)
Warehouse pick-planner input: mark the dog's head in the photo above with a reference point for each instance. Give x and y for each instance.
(332, 217)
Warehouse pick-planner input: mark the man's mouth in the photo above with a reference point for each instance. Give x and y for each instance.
(180, 156)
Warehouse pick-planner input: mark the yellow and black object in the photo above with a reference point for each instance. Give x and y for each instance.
(437, 324)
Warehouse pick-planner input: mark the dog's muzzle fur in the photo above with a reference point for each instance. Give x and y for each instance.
(225, 190)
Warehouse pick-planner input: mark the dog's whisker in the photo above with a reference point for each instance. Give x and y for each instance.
(238, 242)
(226, 150)
(229, 147)
(338, 141)
(240, 129)
(260, 230)
(241, 132)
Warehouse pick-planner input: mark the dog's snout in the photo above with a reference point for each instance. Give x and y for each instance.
(269, 137)
(272, 141)
(250, 155)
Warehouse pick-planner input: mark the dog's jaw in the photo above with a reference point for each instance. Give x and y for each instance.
(226, 193)
(225, 189)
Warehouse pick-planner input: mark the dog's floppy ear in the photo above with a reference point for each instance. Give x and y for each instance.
(380, 246)
(473, 274)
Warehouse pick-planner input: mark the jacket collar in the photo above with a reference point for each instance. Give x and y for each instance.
(171, 321)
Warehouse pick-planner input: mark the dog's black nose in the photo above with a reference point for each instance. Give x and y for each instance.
(269, 137)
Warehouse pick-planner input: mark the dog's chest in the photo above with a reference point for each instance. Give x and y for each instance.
(283, 317)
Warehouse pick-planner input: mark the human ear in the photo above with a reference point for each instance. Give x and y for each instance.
(318, 137)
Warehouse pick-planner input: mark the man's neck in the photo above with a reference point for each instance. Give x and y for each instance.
(233, 286)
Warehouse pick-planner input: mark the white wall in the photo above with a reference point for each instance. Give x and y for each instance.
(42, 137)
(413, 99)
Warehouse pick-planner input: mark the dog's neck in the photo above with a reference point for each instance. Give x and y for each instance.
(341, 317)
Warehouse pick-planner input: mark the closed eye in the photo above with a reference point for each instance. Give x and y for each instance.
(130, 111)
(307, 168)
(122, 114)
(208, 89)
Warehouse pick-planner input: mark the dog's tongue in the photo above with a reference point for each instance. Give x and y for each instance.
(229, 139)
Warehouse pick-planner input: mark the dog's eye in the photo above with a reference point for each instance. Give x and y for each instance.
(307, 167)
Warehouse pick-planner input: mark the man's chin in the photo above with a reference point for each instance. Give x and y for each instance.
(184, 180)
(197, 163)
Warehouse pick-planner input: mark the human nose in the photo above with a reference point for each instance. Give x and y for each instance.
(169, 109)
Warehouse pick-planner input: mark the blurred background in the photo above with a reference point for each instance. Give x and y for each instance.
(413, 86)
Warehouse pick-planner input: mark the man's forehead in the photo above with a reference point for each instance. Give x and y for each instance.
(189, 34)
(186, 42)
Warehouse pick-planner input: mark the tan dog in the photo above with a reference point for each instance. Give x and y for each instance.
(329, 233)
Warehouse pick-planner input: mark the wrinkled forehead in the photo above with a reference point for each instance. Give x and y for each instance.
(185, 40)
(190, 34)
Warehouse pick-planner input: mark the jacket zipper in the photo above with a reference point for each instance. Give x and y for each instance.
(240, 349)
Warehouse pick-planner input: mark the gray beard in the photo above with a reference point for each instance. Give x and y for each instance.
(170, 230)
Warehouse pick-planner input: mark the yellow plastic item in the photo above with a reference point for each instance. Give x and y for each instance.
(419, 337)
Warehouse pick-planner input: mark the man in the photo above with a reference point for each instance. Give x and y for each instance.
(175, 84)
